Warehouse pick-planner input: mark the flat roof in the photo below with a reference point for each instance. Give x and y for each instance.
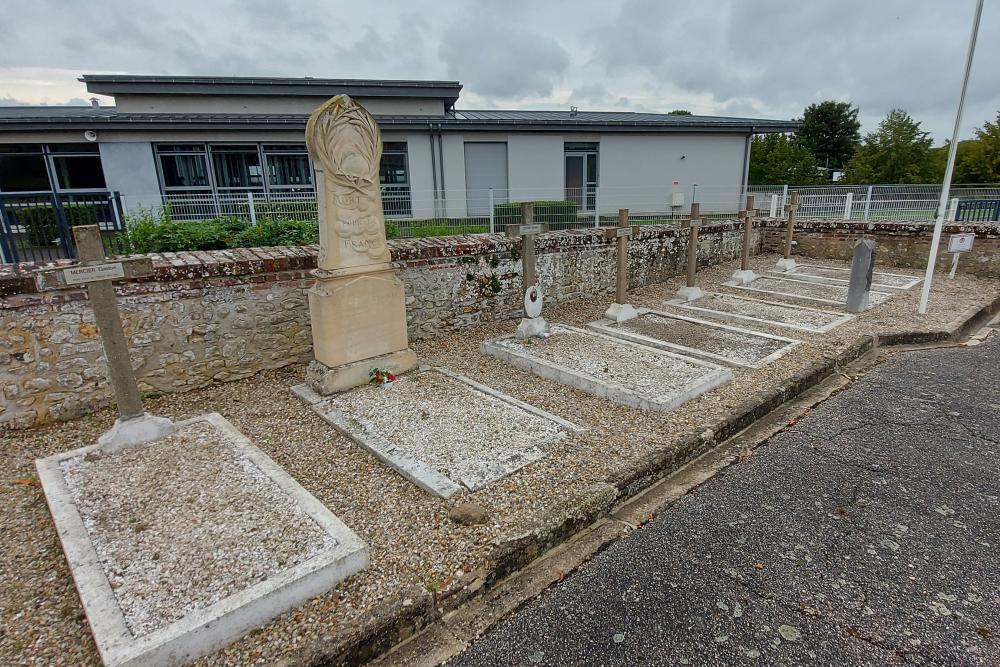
(132, 84)
(73, 118)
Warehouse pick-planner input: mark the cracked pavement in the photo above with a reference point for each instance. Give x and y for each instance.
(867, 533)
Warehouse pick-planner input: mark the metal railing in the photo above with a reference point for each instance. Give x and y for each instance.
(37, 227)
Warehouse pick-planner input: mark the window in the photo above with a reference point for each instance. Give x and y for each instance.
(183, 166)
(288, 166)
(394, 177)
(237, 166)
(22, 168)
(581, 173)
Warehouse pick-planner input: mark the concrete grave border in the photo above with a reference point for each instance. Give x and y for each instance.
(800, 297)
(609, 327)
(825, 280)
(715, 376)
(842, 317)
(418, 472)
(203, 630)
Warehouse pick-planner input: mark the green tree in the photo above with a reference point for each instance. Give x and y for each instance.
(831, 131)
(780, 159)
(971, 162)
(679, 112)
(987, 159)
(898, 152)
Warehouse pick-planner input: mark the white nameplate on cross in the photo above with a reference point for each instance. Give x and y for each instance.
(525, 230)
(623, 231)
(76, 275)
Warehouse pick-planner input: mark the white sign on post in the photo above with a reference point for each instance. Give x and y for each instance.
(76, 275)
(960, 242)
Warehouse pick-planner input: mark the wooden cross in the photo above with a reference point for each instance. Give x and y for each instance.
(527, 231)
(790, 208)
(622, 232)
(747, 215)
(96, 273)
(692, 259)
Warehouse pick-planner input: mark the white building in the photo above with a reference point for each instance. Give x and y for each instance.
(219, 138)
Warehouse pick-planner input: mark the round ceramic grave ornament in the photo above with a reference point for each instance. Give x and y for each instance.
(533, 302)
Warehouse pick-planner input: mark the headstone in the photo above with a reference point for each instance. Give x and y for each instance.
(134, 425)
(786, 263)
(745, 275)
(357, 305)
(691, 291)
(862, 267)
(533, 325)
(620, 311)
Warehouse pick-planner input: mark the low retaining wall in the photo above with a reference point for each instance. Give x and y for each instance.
(900, 244)
(225, 315)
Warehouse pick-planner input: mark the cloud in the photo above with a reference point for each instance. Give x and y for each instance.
(767, 57)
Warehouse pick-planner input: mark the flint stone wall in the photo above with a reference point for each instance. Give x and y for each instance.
(224, 315)
(900, 244)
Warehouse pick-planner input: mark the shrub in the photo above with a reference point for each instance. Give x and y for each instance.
(270, 232)
(556, 214)
(40, 222)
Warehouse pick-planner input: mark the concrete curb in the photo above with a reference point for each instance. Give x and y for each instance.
(378, 631)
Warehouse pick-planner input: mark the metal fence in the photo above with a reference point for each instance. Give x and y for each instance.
(37, 227)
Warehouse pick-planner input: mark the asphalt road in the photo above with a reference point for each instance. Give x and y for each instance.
(866, 534)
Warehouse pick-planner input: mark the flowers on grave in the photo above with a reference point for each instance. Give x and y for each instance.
(379, 377)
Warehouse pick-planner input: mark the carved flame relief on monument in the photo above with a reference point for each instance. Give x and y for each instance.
(345, 141)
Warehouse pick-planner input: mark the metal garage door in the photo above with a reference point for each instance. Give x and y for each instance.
(485, 168)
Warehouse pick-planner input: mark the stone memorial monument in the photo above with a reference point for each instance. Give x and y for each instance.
(862, 268)
(691, 291)
(134, 425)
(532, 325)
(745, 275)
(357, 305)
(786, 263)
(621, 310)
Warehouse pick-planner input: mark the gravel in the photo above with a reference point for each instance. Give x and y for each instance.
(426, 415)
(411, 539)
(742, 348)
(185, 522)
(808, 290)
(879, 279)
(639, 369)
(796, 316)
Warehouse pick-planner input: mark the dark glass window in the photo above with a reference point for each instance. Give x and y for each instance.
(89, 148)
(184, 171)
(289, 170)
(20, 148)
(23, 173)
(180, 148)
(237, 167)
(79, 172)
(393, 169)
(584, 146)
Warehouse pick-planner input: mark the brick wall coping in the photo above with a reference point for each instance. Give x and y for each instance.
(19, 279)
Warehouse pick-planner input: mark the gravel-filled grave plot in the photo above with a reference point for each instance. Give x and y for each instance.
(840, 275)
(441, 430)
(807, 291)
(732, 308)
(622, 371)
(181, 545)
(699, 338)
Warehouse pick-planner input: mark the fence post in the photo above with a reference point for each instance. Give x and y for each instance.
(63, 224)
(774, 206)
(597, 206)
(953, 209)
(848, 205)
(253, 209)
(6, 255)
(493, 228)
(868, 201)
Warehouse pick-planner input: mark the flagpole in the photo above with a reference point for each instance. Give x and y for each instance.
(925, 291)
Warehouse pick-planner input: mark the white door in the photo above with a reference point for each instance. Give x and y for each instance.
(485, 169)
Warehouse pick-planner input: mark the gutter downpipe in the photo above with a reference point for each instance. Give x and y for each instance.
(444, 190)
(434, 173)
(746, 167)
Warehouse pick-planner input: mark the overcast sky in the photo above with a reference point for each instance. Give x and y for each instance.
(761, 58)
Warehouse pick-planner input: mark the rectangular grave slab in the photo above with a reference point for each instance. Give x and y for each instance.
(842, 276)
(802, 290)
(732, 308)
(442, 431)
(706, 340)
(619, 370)
(180, 546)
